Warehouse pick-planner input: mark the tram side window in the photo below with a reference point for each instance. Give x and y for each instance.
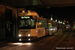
(38, 23)
(41, 23)
(45, 24)
(33, 23)
(22, 23)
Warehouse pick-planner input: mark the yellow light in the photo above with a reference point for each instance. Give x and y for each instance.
(23, 11)
(19, 35)
(49, 23)
(29, 39)
(39, 23)
(29, 43)
(28, 34)
(19, 39)
(20, 44)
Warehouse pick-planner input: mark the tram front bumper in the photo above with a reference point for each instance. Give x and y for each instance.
(26, 38)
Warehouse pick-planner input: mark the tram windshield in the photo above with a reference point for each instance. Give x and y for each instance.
(26, 23)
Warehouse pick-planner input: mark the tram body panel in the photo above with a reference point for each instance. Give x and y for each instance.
(33, 32)
(27, 34)
(24, 32)
(41, 32)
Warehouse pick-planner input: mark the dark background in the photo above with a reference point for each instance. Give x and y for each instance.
(59, 9)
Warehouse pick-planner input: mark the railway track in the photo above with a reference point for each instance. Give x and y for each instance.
(63, 42)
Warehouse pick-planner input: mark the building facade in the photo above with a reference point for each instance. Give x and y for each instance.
(8, 22)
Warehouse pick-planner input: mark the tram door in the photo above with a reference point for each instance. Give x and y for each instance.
(8, 23)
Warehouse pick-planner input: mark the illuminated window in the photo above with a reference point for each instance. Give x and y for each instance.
(49, 24)
(41, 23)
(27, 23)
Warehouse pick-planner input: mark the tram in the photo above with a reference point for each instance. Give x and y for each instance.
(31, 27)
(52, 27)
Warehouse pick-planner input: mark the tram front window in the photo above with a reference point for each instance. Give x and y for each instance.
(27, 24)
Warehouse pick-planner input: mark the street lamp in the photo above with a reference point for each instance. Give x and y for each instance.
(51, 18)
(63, 23)
(56, 20)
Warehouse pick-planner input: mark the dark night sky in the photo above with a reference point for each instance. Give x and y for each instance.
(58, 8)
(61, 13)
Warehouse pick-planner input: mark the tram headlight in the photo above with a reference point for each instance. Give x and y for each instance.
(19, 35)
(20, 39)
(28, 39)
(28, 34)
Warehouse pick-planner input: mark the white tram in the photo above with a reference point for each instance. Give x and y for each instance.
(31, 27)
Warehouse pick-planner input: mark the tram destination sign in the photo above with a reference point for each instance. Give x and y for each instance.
(25, 17)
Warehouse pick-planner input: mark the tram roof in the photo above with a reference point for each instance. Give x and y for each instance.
(39, 18)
